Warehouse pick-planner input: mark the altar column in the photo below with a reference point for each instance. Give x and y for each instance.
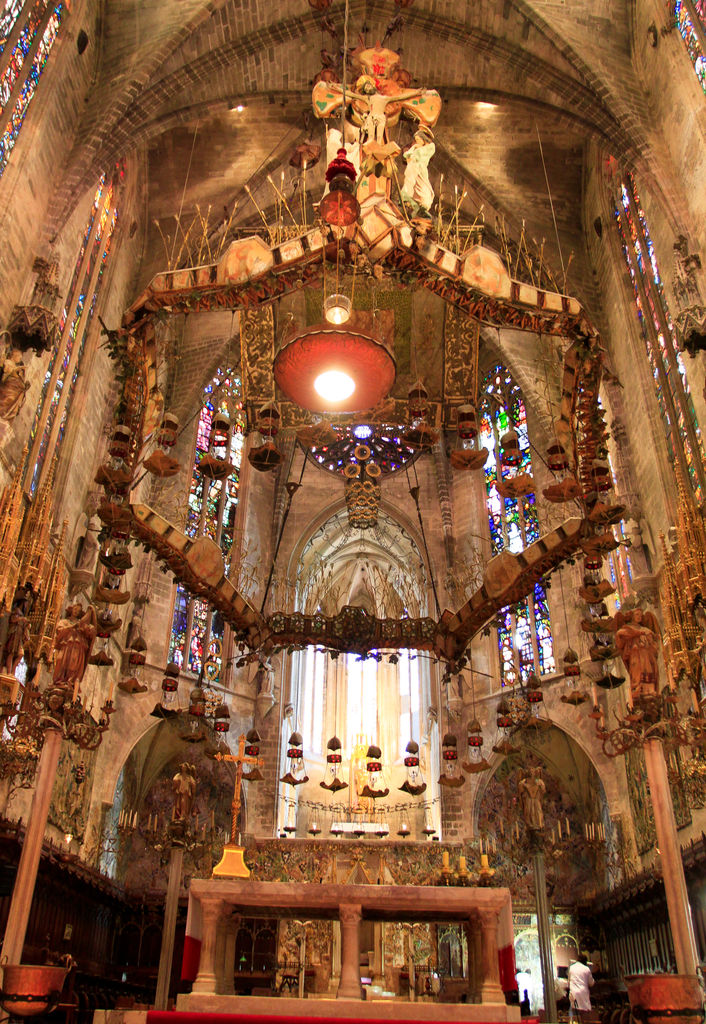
(211, 910)
(490, 990)
(232, 926)
(473, 958)
(349, 987)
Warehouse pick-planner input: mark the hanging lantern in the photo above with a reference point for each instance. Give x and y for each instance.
(418, 402)
(197, 702)
(268, 419)
(533, 692)
(600, 475)
(221, 718)
(413, 784)
(570, 664)
(567, 488)
(373, 766)
(503, 714)
(510, 453)
(160, 463)
(265, 456)
(306, 154)
(467, 422)
(450, 776)
(214, 463)
(170, 682)
(296, 775)
(557, 459)
(476, 762)
(404, 830)
(333, 763)
(107, 624)
(337, 308)
(339, 207)
(252, 749)
(119, 445)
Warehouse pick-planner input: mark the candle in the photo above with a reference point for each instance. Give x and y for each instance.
(484, 861)
(213, 820)
(568, 829)
(110, 691)
(558, 829)
(445, 860)
(462, 865)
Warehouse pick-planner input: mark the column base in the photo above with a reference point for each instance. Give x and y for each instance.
(491, 993)
(232, 864)
(349, 990)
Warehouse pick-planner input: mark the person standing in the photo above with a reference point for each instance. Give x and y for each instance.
(580, 981)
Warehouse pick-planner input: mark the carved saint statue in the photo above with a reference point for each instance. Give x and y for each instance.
(531, 791)
(416, 188)
(87, 548)
(184, 790)
(637, 638)
(16, 642)
(13, 386)
(74, 639)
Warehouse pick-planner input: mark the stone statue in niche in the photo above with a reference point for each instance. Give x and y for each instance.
(184, 791)
(265, 681)
(531, 790)
(74, 640)
(637, 640)
(87, 547)
(690, 320)
(13, 386)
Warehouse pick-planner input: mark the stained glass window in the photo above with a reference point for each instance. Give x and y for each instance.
(668, 371)
(10, 13)
(77, 316)
(20, 51)
(525, 643)
(196, 642)
(29, 88)
(690, 35)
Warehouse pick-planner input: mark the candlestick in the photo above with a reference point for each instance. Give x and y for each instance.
(462, 865)
(484, 861)
(445, 860)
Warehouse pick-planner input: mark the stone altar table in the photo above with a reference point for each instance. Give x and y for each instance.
(223, 901)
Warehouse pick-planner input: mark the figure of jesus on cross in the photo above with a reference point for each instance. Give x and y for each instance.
(232, 864)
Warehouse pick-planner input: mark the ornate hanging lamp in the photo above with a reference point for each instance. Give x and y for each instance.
(374, 769)
(252, 749)
(340, 207)
(215, 463)
(414, 784)
(476, 762)
(362, 489)
(327, 369)
(296, 773)
(450, 775)
(567, 487)
(331, 780)
(467, 456)
(419, 435)
(266, 456)
(160, 463)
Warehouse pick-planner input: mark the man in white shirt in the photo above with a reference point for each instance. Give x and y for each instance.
(580, 981)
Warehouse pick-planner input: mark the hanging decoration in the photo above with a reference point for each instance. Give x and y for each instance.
(567, 487)
(266, 456)
(215, 463)
(419, 435)
(467, 456)
(331, 780)
(374, 769)
(362, 489)
(160, 463)
(476, 762)
(296, 773)
(450, 775)
(251, 750)
(414, 784)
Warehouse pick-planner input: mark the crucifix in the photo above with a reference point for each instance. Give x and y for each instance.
(232, 864)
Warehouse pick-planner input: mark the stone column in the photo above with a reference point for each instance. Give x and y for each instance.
(378, 965)
(232, 925)
(171, 907)
(211, 910)
(672, 867)
(23, 891)
(546, 958)
(473, 950)
(490, 990)
(349, 987)
(219, 958)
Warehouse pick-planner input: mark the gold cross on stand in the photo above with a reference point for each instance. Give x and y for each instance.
(232, 864)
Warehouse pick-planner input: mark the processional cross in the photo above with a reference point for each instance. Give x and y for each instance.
(232, 864)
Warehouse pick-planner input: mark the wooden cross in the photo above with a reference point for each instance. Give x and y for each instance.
(239, 760)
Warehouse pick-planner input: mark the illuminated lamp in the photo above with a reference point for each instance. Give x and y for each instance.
(337, 309)
(466, 422)
(252, 746)
(476, 762)
(197, 702)
(339, 207)
(296, 775)
(413, 784)
(510, 454)
(601, 475)
(333, 761)
(571, 665)
(170, 683)
(503, 715)
(373, 764)
(534, 693)
(328, 370)
(418, 401)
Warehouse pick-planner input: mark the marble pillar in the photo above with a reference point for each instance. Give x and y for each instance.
(23, 891)
(670, 852)
(490, 990)
(211, 911)
(349, 987)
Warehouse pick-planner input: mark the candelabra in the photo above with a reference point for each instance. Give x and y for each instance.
(655, 716)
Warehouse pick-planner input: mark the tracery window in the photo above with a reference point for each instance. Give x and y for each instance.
(525, 642)
(77, 315)
(690, 18)
(196, 642)
(20, 53)
(668, 371)
(10, 13)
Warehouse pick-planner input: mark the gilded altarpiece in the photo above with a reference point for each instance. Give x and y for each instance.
(640, 803)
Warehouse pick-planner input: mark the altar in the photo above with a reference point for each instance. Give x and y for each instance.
(217, 905)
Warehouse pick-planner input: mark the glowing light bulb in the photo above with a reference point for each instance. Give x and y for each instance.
(334, 386)
(337, 309)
